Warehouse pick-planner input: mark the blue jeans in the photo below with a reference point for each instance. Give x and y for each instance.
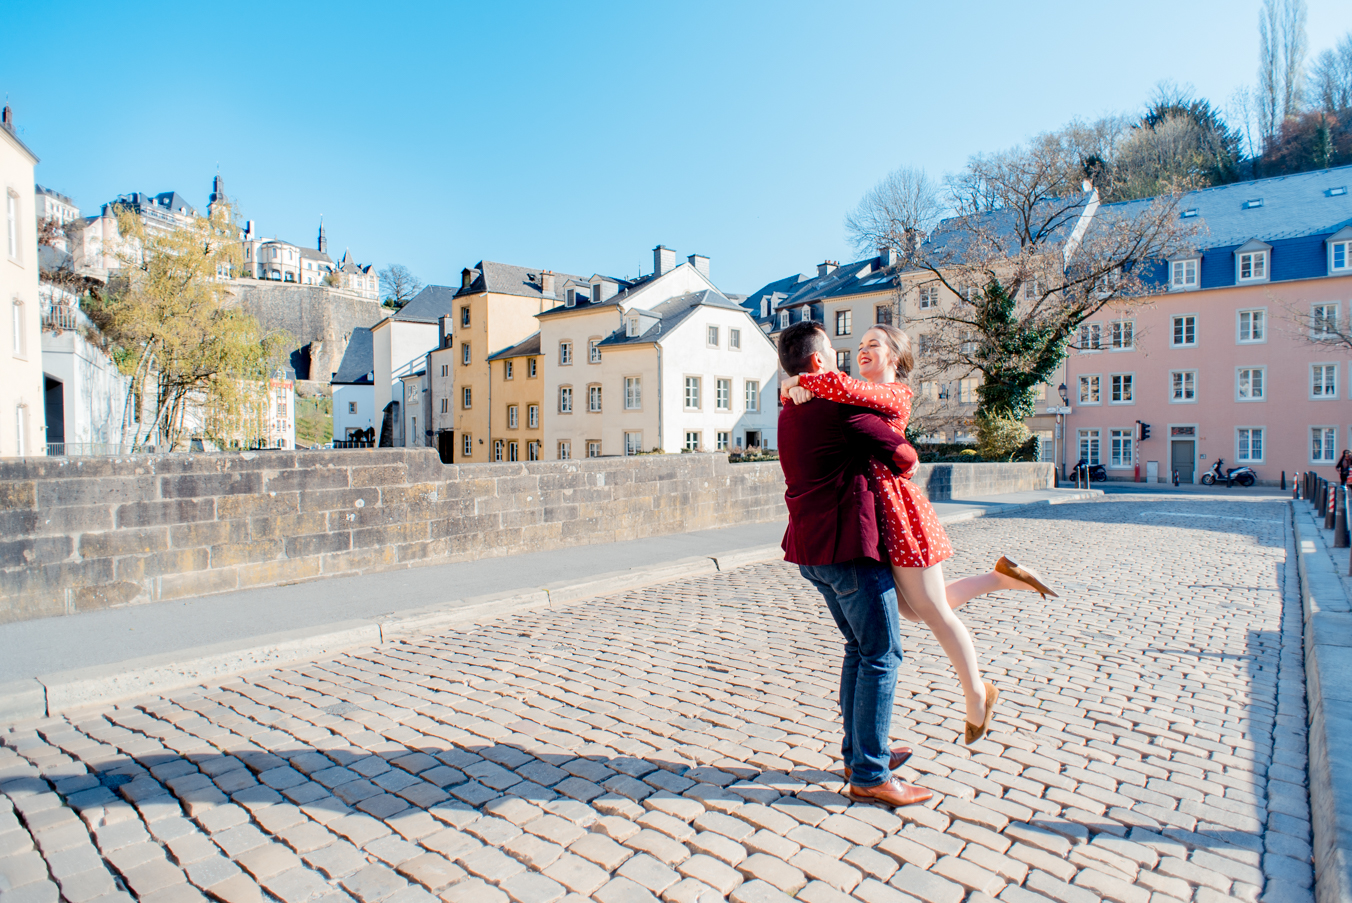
(863, 600)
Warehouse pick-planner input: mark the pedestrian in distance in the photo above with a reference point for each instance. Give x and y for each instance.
(1344, 466)
(916, 542)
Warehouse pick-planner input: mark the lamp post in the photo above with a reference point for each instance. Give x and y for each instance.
(1060, 419)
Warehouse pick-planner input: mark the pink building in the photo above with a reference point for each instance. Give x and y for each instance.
(1233, 360)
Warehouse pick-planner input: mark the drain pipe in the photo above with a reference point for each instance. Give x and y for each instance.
(659, 396)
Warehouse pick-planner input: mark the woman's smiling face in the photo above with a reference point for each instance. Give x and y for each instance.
(877, 364)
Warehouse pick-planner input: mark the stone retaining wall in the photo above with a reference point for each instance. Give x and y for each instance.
(80, 534)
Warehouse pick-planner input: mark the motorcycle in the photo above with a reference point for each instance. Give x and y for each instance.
(1096, 472)
(1244, 476)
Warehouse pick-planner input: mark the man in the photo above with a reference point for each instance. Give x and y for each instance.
(833, 537)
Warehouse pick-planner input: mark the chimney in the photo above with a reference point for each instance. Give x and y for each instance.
(7, 118)
(664, 260)
(826, 267)
(466, 279)
(444, 324)
(547, 284)
(887, 257)
(700, 263)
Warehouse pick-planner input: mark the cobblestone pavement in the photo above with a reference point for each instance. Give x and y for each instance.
(681, 742)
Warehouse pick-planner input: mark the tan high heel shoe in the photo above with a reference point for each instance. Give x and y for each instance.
(1023, 575)
(976, 731)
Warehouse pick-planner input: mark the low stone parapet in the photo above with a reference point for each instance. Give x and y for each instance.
(81, 534)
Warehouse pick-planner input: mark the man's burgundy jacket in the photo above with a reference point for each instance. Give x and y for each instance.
(824, 449)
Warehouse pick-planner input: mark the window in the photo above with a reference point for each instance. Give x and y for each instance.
(1119, 448)
(565, 399)
(633, 443)
(711, 337)
(843, 362)
(1091, 338)
(967, 390)
(533, 451)
(512, 452)
(1185, 331)
(444, 368)
(721, 441)
(20, 333)
(1252, 325)
(1183, 275)
(843, 322)
(691, 441)
(926, 344)
(1253, 266)
(882, 314)
(752, 392)
(929, 297)
(497, 449)
(352, 406)
(783, 319)
(1089, 446)
(530, 369)
(1323, 321)
(633, 393)
(1030, 289)
(1340, 256)
(723, 394)
(464, 316)
(508, 371)
(1089, 390)
(692, 393)
(1249, 385)
(1123, 335)
(1249, 444)
(512, 420)
(1121, 388)
(1324, 381)
(466, 445)
(464, 352)
(734, 339)
(533, 417)
(465, 398)
(594, 399)
(445, 406)
(593, 448)
(12, 222)
(565, 450)
(1322, 439)
(593, 351)
(1183, 386)
(565, 353)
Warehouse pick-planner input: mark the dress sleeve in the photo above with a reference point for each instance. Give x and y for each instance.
(889, 398)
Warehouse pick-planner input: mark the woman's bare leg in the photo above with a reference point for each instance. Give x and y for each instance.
(963, 590)
(925, 595)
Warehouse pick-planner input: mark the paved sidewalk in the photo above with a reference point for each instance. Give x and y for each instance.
(680, 742)
(51, 645)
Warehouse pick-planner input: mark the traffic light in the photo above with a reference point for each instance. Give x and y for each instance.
(1145, 431)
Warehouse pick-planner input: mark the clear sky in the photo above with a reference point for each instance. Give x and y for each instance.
(576, 136)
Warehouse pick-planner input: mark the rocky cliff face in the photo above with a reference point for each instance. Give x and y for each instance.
(320, 319)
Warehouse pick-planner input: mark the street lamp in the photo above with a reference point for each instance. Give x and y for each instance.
(1060, 418)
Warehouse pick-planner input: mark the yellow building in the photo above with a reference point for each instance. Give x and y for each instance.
(517, 374)
(494, 311)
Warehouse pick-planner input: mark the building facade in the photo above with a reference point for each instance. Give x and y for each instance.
(517, 427)
(22, 415)
(354, 394)
(400, 343)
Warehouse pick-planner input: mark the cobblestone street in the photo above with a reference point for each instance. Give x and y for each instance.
(682, 743)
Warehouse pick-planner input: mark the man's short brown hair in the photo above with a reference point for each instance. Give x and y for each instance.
(799, 342)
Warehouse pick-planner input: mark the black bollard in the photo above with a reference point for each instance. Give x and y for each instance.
(1283, 481)
(1340, 537)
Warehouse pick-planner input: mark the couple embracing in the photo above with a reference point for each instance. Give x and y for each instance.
(870, 542)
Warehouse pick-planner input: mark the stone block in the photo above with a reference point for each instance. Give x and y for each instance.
(167, 511)
(268, 505)
(108, 491)
(198, 583)
(318, 544)
(286, 525)
(314, 476)
(280, 571)
(124, 542)
(200, 485)
(18, 494)
(36, 550)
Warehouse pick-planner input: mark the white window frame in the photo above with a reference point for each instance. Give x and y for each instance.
(1173, 380)
(513, 417)
(594, 398)
(1091, 338)
(1262, 444)
(498, 448)
(1329, 440)
(13, 217)
(533, 450)
(594, 350)
(531, 369)
(633, 393)
(631, 327)
(1117, 382)
(633, 442)
(19, 321)
(693, 386)
(565, 450)
(751, 389)
(1122, 335)
(593, 448)
(929, 297)
(565, 354)
(1239, 326)
(1346, 247)
(352, 407)
(466, 398)
(464, 354)
(694, 440)
(722, 440)
(1089, 388)
(508, 371)
(844, 322)
(1185, 274)
(1260, 267)
(783, 319)
(711, 336)
(532, 416)
(565, 399)
(882, 314)
(1324, 314)
(1332, 394)
(722, 394)
(1180, 319)
(1094, 454)
(1262, 384)
(1120, 445)
(734, 339)
(466, 445)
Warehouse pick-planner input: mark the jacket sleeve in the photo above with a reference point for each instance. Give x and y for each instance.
(872, 436)
(889, 398)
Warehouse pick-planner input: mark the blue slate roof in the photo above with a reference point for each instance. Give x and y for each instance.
(669, 314)
(428, 305)
(358, 364)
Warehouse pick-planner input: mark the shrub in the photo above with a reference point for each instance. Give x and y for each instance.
(1000, 438)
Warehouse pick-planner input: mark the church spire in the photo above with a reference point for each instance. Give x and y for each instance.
(323, 239)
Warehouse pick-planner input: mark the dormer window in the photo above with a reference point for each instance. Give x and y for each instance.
(765, 308)
(1252, 203)
(570, 300)
(783, 319)
(1340, 251)
(1251, 261)
(631, 327)
(1183, 274)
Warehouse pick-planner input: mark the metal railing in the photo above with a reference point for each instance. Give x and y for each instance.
(86, 449)
(60, 316)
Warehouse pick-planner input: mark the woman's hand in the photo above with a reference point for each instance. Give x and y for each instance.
(786, 384)
(799, 395)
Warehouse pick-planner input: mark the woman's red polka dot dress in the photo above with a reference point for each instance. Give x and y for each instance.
(911, 529)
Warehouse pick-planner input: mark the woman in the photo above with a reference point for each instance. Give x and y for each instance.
(1344, 466)
(916, 542)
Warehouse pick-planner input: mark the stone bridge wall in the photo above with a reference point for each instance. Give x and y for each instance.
(80, 534)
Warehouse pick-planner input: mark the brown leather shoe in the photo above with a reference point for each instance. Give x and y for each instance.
(1011, 568)
(891, 792)
(899, 755)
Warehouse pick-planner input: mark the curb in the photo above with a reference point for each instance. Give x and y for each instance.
(1328, 690)
(55, 693)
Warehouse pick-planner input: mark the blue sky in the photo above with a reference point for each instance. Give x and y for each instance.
(577, 136)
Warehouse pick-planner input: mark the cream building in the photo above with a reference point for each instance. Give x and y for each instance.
(21, 384)
(399, 345)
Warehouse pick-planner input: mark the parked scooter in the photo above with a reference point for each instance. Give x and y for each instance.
(1097, 472)
(1244, 476)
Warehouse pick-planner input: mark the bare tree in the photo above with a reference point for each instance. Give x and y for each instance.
(399, 285)
(1295, 45)
(1329, 87)
(1281, 63)
(906, 204)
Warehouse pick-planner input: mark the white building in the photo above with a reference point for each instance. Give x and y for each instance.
(417, 410)
(358, 278)
(85, 393)
(21, 382)
(400, 343)
(669, 363)
(354, 393)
